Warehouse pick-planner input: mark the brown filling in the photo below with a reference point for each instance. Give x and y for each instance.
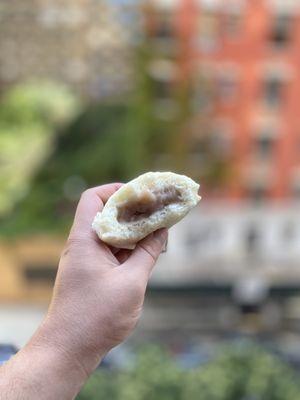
(147, 203)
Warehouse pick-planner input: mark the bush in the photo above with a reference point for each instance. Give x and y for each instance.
(238, 373)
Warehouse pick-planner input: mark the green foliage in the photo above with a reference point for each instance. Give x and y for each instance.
(30, 115)
(106, 142)
(44, 103)
(50, 152)
(238, 373)
(101, 386)
(155, 377)
(148, 134)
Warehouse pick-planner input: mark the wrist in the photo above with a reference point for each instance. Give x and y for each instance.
(68, 346)
(51, 372)
(49, 367)
(39, 371)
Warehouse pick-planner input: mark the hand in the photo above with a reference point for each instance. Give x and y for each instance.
(97, 299)
(98, 295)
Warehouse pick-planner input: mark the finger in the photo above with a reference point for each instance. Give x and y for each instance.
(123, 255)
(165, 249)
(114, 250)
(147, 251)
(91, 202)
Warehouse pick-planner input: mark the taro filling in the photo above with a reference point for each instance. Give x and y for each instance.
(147, 203)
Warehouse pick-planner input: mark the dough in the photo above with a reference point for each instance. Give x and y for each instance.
(149, 202)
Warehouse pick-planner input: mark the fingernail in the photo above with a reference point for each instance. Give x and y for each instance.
(162, 235)
(165, 248)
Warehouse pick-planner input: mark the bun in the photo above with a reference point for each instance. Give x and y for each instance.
(149, 202)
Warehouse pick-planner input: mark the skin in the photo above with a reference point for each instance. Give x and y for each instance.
(97, 300)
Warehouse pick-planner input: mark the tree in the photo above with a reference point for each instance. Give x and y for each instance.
(30, 115)
(107, 141)
(86, 153)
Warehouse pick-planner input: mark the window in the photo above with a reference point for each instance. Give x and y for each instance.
(163, 73)
(295, 184)
(204, 235)
(40, 273)
(288, 232)
(264, 144)
(203, 89)
(273, 91)
(227, 86)
(252, 239)
(257, 192)
(202, 97)
(296, 191)
(162, 89)
(164, 26)
(232, 24)
(221, 139)
(162, 69)
(208, 27)
(280, 33)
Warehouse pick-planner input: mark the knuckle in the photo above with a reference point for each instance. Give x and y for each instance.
(73, 242)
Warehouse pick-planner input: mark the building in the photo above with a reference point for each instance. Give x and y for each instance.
(84, 44)
(232, 259)
(28, 268)
(241, 60)
(229, 266)
(223, 273)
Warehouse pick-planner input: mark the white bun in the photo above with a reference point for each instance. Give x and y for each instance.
(121, 226)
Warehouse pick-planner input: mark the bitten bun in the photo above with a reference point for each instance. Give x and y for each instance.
(149, 202)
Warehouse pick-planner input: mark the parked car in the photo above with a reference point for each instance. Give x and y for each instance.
(6, 352)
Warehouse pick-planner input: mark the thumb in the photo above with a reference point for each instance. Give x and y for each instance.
(147, 251)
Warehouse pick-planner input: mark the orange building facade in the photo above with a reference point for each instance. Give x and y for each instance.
(247, 53)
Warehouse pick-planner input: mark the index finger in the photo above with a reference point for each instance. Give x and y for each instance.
(91, 201)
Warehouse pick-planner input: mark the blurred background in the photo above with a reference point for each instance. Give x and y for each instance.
(95, 91)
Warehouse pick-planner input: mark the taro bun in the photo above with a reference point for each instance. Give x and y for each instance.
(149, 202)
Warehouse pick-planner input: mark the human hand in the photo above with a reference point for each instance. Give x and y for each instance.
(97, 300)
(99, 293)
